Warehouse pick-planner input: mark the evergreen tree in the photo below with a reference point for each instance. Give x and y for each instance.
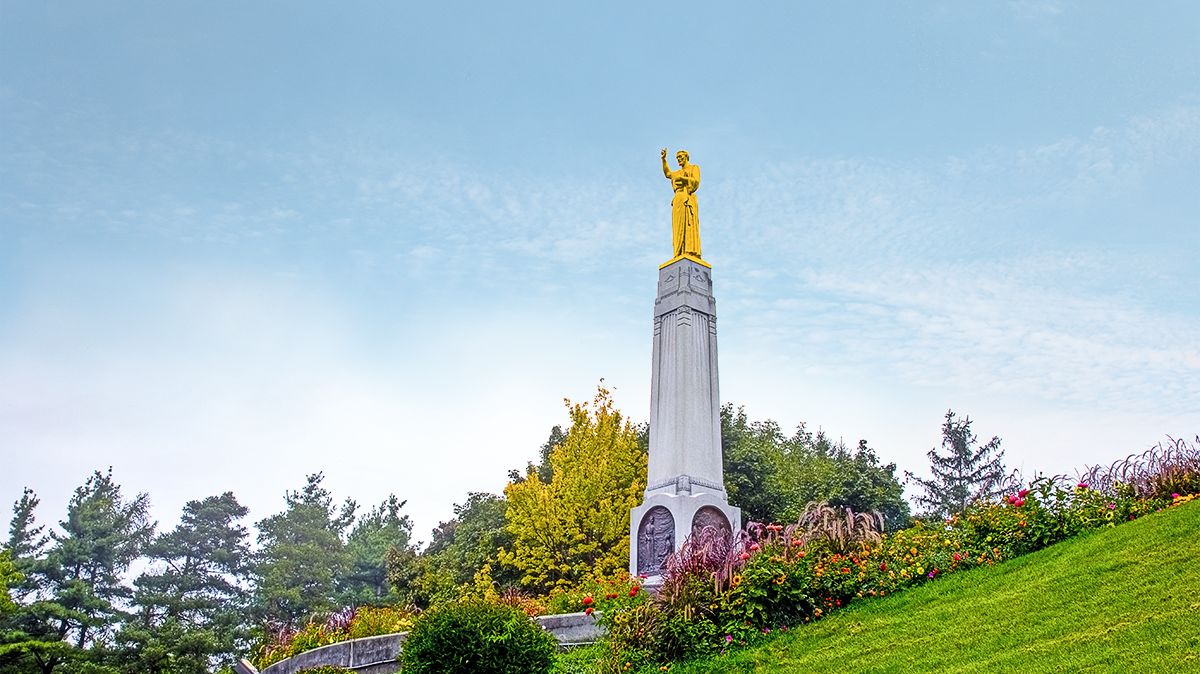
(544, 472)
(78, 588)
(190, 603)
(301, 555)
(578, 524)
(964, 473)
(101, 537)
(26, 542)
(381, 530)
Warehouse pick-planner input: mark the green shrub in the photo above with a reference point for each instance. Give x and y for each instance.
(592, 593)
(373, 621)
(476, 637)
(325, 669)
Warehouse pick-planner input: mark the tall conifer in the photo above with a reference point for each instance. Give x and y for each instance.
(963, 473)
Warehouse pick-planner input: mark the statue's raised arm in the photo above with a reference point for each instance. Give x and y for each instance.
(685, 217)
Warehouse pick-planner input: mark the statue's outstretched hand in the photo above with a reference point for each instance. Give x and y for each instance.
(664, 153)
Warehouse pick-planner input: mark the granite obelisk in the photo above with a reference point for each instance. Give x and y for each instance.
(685, 487)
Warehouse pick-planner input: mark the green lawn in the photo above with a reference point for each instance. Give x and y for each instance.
(1117, 600)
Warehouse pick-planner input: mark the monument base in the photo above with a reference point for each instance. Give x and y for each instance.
(667, 518)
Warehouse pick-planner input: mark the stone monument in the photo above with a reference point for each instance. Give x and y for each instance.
(685, 488)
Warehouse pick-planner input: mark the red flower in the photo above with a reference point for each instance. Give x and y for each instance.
(1019, 502)
(883, 566)
(744, 555)
(957, 557)
(633, 591)
(589, 610)
(1023, 493)
(754, 547)
(587, 601)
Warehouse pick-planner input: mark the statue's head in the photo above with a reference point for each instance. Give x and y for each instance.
(682, 157)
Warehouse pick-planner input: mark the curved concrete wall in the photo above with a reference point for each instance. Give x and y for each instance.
(377, 655)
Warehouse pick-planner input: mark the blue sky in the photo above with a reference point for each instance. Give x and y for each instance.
(242, 242)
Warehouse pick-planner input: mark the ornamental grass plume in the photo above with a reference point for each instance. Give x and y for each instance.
(842, 529)
(1170, 466)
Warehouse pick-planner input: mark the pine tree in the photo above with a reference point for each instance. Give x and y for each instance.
(78, 592)
(101, 537)
(366, 578)
(301, 555)
(26, 543)
(190, 603)
(964, 473)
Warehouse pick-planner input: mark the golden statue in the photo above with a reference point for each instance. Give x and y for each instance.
(685, 218)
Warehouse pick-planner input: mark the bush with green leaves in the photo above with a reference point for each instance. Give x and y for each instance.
(477, 637)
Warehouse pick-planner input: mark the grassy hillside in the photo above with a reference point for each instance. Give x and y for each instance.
(1117, 600)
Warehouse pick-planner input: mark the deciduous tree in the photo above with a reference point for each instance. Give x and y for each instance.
(772, 477)
(578, 524)
(460, 549)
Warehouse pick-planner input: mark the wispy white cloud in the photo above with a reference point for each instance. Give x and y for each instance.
(861, 274)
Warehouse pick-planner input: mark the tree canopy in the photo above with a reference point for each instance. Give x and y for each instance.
(577, 524)
(772, 476)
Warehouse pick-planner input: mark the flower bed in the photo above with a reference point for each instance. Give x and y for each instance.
(284, 642)
(777, 577)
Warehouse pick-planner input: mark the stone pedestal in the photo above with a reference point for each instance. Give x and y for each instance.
(685, 490)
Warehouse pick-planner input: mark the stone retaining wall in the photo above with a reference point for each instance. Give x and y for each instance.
(377, 655)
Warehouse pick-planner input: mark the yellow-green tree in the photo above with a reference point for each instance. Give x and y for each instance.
(576, 525)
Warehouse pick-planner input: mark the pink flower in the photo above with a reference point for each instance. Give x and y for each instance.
(1019, 502)
(1023, 493)
(1174, 495)
(744, 556)
(1081, 485)
(754, 547)
(728, 638)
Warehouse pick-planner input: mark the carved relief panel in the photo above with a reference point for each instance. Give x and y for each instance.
(709, 516)
(655, 541)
